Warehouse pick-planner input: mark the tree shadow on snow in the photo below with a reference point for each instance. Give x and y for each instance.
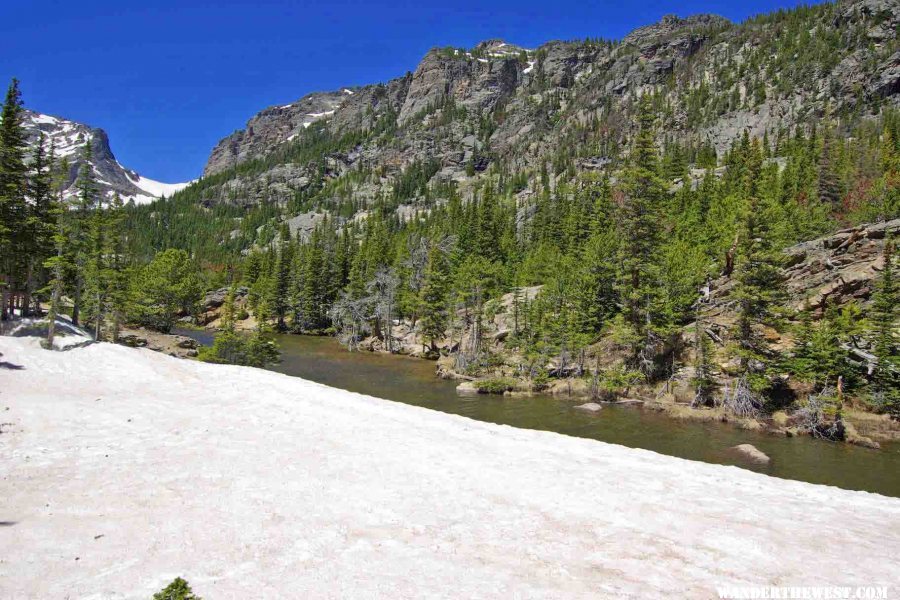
(9, 365)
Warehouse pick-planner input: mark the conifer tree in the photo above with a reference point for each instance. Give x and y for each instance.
(58, 265)
(279, 300)
(80, 238)
(641, 203)
(13, 190)
(169, 285)
(704, 361)
(95, 273)
(830, 185)
(434, 299)
(759, 290)
(40, 221)
(117, 267)
(883, 319)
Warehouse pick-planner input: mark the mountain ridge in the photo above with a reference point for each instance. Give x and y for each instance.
(600, 80)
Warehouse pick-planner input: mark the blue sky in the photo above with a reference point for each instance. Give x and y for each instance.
(167, 80)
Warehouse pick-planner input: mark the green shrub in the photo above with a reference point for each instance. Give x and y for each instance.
(230, 347)
(495, 386)
(179, 589)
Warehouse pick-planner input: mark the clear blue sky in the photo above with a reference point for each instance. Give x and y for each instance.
(167, 80)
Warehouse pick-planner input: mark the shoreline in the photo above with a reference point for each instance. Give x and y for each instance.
(866, 429)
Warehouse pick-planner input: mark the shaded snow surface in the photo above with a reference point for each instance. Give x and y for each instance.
(123, 468)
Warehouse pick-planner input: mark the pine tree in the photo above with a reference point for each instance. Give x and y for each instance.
(434, 299)
(118, 273)
(177, 590)
(169, 285)
(80, 235)
(279, 300)
(13, 190)
(830, 185)
(58, 265)
(640, 213)
(95, 272)
(883, 319)
(40, 223)
(759, 290)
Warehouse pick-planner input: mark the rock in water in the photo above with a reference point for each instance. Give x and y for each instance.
(590, 407)
(467, 388)
(753, 453)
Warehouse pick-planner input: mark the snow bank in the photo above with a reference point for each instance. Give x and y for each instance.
(158, 188)
(67, 335)
(123, 468)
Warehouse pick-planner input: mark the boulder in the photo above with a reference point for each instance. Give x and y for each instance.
(753, 453)
(133, 341)
(216, 298)
(590, 407)
(467, 388)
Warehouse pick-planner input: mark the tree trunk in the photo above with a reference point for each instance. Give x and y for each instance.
(4, 298)
(26, 294)
(76, 304)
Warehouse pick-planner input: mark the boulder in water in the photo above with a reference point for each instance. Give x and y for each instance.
(467, 388)
(753, 453)
(590, 407)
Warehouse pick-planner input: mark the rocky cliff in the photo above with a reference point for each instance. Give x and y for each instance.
(516, 108)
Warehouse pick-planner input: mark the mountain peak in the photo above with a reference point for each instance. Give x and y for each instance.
(671, 24)
(68, 139)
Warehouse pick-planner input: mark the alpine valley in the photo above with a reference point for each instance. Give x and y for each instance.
(699, 214)
(619, 270)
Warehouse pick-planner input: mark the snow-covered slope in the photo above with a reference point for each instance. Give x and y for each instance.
(69, 137)
(123, 468)
(153, 190)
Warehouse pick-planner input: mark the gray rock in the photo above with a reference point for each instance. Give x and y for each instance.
(752, 452)
(590, 407)
(467, 388)
(216, 298)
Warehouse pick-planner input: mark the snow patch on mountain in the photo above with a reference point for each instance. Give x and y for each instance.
(158, 189)
(68, 139)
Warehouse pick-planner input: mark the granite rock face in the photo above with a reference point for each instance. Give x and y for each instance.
(273, 126)
(500, 104)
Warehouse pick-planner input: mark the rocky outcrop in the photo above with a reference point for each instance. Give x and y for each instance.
(210, 313)
(272, 127)
(674, 31)
(837, 268)
(173, 345)
(476, 80)
(831, 270)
